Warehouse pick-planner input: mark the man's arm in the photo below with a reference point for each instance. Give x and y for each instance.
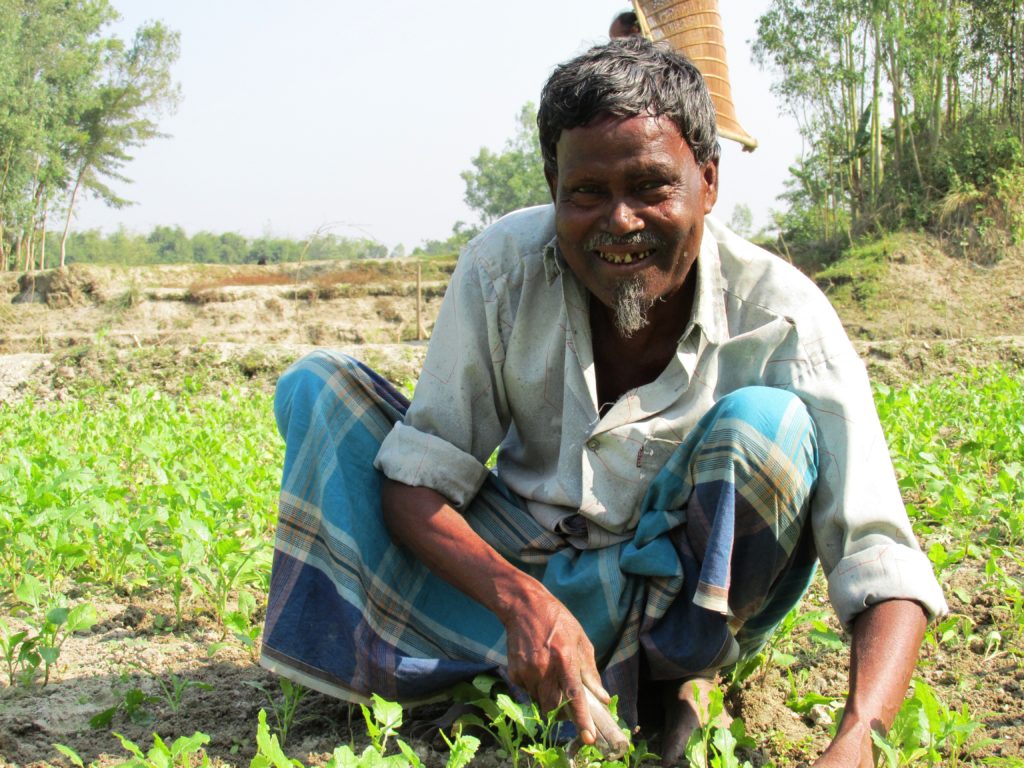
(886, 640)
(549, 654)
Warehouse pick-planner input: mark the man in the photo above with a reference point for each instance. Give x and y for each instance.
(683, 429)
(625, 24)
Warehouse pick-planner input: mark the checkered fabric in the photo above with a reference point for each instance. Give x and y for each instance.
(721, 553)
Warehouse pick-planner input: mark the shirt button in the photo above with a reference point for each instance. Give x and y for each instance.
(593, 444)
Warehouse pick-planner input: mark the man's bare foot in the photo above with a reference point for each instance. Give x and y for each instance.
(683, 716)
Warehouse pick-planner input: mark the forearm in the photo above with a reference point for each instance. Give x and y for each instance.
(423, 521)
(549, 654)
(883, 654)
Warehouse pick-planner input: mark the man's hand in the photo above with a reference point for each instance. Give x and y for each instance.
(549, 654)
(886, 639)
(551, 658)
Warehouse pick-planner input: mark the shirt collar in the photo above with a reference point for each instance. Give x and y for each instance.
(709, 300)
(553, 261)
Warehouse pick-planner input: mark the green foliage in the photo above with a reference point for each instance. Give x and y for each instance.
(714, 746)
(140, 490)
(30, 655)
(859, 269)
(184, 752)
(76, 101)
(901, 104)
(131, 704)
(285, 709)
(501, 182)
(928, 732)
(512, 725)
(172, 245)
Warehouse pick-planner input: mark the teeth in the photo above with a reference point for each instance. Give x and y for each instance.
(623, 258)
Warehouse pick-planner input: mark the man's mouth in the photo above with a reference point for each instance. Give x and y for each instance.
(623, 258)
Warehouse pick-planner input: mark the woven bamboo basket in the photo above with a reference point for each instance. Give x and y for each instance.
(694, 29)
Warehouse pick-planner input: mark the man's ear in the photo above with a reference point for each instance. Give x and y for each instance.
(709, 177)
(552, 179)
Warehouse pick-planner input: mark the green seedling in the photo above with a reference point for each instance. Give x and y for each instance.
(285, 709)
(242, 625)
(512, 725)
(174, 688)
(780, 650)
(802, 703)
(132, 704)
(268, 750)
(29, 655)
(712, 746)
(927, 732)
(20, 655)
(184, 752)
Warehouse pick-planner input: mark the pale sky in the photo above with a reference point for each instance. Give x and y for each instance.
(359, 117)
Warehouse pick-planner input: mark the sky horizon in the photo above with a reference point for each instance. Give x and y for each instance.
(358, 119)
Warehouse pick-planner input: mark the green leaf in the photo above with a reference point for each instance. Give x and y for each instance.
(70, 754)
(186, 745)
(129, 745)
(81, 617)
(460, 751)
(57, 616)
(102, 719)
(409, 753)
(511, 709)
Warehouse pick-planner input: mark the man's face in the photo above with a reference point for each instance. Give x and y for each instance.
(629, 206)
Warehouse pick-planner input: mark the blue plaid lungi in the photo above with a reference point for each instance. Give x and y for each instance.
(721, 553)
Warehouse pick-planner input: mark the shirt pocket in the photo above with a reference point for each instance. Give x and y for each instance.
(654, 455)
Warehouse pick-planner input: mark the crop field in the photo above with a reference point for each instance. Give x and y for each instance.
(136, 524)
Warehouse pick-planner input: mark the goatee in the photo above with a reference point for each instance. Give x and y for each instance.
(631, 305)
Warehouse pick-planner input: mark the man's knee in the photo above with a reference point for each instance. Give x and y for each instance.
(762, 442)
(301, 385)
(777, 418)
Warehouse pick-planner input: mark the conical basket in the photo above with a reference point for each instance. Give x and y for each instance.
(694, 28)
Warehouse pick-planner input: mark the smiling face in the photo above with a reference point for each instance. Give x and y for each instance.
(629, 208)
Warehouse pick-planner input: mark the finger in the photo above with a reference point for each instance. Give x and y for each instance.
(592, 680)
(579, 712)
(611, 739)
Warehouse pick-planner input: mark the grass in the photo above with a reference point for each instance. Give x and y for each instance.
(857, 274)
(137, 491)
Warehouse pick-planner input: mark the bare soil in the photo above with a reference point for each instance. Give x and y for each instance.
(64, 333)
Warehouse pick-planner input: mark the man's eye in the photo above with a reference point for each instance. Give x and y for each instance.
(651, 186)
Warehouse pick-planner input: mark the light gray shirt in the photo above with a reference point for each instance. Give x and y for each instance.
(511, 363)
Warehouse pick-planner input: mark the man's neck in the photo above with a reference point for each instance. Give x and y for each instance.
(623, 363)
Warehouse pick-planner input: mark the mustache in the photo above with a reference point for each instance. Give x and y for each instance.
(602, 239)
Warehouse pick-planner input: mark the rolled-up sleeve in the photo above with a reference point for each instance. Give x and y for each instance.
(862, 533)
(459, 413)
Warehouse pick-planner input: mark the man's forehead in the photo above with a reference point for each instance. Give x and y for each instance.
(633, 129)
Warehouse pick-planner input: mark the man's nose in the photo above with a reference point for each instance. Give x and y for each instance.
(622, 218)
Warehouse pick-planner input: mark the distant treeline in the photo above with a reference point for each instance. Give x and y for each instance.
(171, 245)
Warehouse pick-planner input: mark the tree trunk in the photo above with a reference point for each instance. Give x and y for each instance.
(42, 236)
(67, 221)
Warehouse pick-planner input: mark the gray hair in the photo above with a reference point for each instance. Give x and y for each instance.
(628, 77)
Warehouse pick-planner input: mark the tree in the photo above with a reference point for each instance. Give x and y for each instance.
(73, 101)
(951, 72)
(514, 178)
(117, 118)
(50, 52)
(742, 220)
